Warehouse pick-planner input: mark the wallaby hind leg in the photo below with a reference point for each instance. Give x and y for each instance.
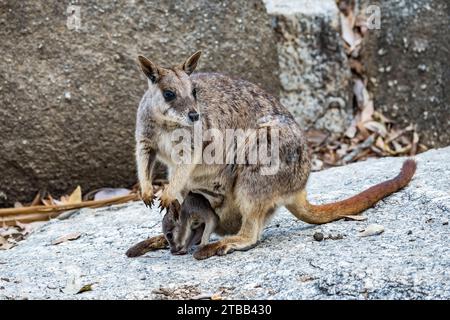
(150, 244)
(210, 226)
(246, 238)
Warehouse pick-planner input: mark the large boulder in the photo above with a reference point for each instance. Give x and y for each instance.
(407, 60)
(70, 85)
(314, 71)
(410, 260)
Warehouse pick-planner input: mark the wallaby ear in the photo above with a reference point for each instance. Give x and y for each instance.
(191, 63)
(149, 68)
(175, 207)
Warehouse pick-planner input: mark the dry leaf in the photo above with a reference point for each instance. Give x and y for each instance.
(351, 131)
(414, 144)
(358, 91)
(5, 244)
(316, 137)
(49, 202)
(85, 288)
(17, 204)
(347, 29)
(367, 111)
(377, 115)
(216, 296)
(356, 218)
(75, 197)
(37, 199)
(67, 237)
(376, 127)
(372, 230)
(356, 66)
(380, 143)
(107, 193)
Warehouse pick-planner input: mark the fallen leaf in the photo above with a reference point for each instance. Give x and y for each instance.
(376, 127)
(67, 237)
(377, 115)
(372, 230)
(356, 218)
(5, 244)
(85, 288)
(48, 202)
(351, 131)
(216, 296)
(415, 141)
(316, 137)
(380, 143)
(75, 197)
(202, 296)
(356, 66)
(37, 199)
(347, 29)
(368, 109)
(17, 204)
(107, 193)
(359, 92)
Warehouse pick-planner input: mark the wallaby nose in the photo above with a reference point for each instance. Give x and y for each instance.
(180, 252)
(193, 116)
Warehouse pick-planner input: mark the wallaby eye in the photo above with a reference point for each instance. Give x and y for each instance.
(194, 93)
(169, 236)
(169, 95)
(195, 225)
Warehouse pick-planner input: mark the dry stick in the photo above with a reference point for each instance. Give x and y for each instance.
(360, 147)
(27, 218)
(64, 207)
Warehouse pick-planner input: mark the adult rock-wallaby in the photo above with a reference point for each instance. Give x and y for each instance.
(242, 197)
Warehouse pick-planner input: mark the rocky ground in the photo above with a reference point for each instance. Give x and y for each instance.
(409, 260)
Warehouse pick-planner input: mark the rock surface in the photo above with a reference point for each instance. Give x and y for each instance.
(409, 260)
(408, 57)
(314, 72)
(69, 92)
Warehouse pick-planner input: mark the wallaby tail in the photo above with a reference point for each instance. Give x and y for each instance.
(318, 214)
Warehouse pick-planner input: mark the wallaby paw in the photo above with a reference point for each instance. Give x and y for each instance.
(148, 198)
(150, 244)
(212, 249)
(165, 200)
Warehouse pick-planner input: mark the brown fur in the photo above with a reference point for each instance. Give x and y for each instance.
(150, 244)
(243, 199)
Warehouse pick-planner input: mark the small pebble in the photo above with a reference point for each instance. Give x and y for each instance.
(318, 236)
(409, 233)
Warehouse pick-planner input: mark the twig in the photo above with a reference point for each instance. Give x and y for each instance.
(64, 207)
(360, 147)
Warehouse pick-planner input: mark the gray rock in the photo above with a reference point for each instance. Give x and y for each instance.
(69, 92)
(287, 264)
(314, 72)
(409, 59)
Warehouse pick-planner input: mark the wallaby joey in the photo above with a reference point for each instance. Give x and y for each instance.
(242, 193)
(189, 224)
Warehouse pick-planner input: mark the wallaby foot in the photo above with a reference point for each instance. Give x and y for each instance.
(150, 244)
(224, 246)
